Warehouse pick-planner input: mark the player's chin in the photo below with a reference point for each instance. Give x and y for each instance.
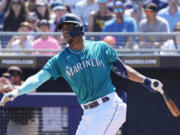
(69, 39)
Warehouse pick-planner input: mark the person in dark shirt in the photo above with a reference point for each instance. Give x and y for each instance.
(15, 15)
(98, 18)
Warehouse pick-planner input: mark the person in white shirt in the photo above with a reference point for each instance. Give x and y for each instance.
(21, 42)
(84, 8)
(170, 46)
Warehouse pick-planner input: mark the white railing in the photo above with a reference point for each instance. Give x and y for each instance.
(5, 37)
(95, 33)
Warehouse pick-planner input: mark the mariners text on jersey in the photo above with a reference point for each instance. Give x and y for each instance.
(87, 71)
(72, 70)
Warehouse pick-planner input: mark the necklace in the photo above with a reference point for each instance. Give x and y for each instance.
(76, 51)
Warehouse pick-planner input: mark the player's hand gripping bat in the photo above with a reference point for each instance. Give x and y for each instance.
(170, 104)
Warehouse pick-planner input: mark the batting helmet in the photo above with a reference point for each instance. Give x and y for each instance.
(74, 19)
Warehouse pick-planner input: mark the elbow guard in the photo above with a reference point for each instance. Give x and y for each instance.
(120, 69)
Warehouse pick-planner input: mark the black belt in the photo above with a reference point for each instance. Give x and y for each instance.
(95, 103)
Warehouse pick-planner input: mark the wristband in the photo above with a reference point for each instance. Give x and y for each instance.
(147, 83)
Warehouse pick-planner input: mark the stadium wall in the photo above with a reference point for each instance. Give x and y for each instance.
(147, 113)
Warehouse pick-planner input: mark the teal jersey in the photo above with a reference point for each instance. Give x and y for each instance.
(87, 71)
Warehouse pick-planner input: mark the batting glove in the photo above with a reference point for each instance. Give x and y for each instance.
(10, 96)
(153, 85)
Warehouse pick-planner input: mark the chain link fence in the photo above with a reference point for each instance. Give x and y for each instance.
(38, 114)
(34, 121)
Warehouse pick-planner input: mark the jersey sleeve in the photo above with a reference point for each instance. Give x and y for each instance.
(34, 82)
(110, 53)
(52, 66)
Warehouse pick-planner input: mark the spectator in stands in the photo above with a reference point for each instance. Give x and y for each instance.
(152, 23)
(6, 75)
(21, 42)
(3, 112)
(177, 36)
(16, 75)
(110, 40)
(83, 9)
(171, 13)
(121, 23)
(32, 19)
(3, 8)
(97, 18)
(136, 10)
(161, 3)
(30, 5)
(59, 9)
(172, 44)
(72, 4)
(42, 9)
(22, 121)
(46, 42)
(16, 14)
(4, 5)
(6, 84)
(53, 3)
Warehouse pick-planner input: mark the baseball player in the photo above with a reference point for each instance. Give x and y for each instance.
(86, 67)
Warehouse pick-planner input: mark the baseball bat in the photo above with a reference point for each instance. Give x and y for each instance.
(170, 104)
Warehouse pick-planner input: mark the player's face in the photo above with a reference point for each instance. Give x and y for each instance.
(65, 30)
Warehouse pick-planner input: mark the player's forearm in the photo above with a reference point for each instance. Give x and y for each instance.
(34, 82)
(145, 81)
(133, 75)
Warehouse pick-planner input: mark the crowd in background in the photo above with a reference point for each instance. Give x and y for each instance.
(97, 16)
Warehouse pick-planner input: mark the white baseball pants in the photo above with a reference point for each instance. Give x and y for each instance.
(104, 119)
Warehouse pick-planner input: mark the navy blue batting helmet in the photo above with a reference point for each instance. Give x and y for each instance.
(74, 19)
(69, 18)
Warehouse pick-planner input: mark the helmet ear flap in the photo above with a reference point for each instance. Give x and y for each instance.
(82, 28)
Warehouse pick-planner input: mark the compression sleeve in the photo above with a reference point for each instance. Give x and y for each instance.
(34, 82)
(119, 68)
